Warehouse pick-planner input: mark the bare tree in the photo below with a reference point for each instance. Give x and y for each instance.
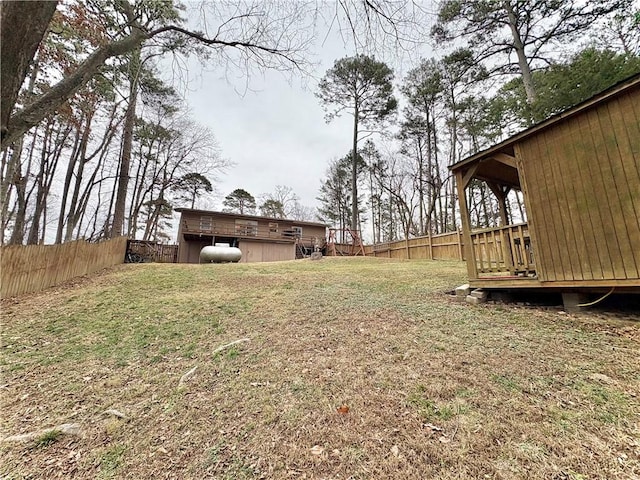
(284, 196)
(246, 35)
(381, 27)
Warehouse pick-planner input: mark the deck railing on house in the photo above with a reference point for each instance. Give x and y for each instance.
(274, 232)
(503, 250)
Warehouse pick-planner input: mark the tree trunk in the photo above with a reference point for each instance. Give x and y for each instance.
(32, 238)
(22, 27)
(354, 171)
(127, 143)
(525, 69)
(421, 180)
(373, 205)
(22, 194)
(14, 164)
(51, 154)
(72, 216)
(140, 192)
(452, 159)
(73, 159)
(14, 173)
(4, 193)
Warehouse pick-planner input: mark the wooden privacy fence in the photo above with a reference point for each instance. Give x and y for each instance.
(445, 246)
(33, 268)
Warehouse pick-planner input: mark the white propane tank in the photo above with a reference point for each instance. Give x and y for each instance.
(220, 253)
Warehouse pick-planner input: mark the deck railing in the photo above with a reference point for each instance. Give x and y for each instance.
(504, 250)
(276, 232)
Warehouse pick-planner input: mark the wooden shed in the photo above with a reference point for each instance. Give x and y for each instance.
(261, 239)
(579, 174)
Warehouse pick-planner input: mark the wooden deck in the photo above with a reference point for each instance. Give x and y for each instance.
(246, 232)
(504, 258)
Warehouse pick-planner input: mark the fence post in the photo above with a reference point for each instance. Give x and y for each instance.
(460, 249)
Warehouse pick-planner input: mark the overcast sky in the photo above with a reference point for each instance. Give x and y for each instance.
(275, 133)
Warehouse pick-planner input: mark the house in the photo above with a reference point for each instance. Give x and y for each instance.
(579, 174)
(261, 239)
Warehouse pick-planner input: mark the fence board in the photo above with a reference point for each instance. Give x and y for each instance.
(32, 268)
(446, 246)
(153, 252)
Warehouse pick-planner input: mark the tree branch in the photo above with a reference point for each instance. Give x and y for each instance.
(49, 102)
(215, 41)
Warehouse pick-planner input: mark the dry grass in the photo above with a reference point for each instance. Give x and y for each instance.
(436, 389)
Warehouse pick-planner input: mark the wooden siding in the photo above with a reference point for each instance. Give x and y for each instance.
(189, 251)
(32, 268)
(446, 246)
(582, 188)
(266, 229)
(253, 251)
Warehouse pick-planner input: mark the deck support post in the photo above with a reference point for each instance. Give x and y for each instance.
(472, 266)
(501, 194)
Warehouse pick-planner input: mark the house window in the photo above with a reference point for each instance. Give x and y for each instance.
(297, 232)
(247, 228)
(205, 224)
(273, 227)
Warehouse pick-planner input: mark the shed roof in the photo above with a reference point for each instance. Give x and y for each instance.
(504, 172)
(247, 217)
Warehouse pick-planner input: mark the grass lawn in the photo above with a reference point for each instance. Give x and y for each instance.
(434, 389)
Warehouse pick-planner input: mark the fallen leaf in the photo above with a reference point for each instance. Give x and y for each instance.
(444, 439)
(343, 409)
(317, 450)
(395, 451)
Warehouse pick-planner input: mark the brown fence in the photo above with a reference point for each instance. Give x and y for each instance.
(145, 251)
(446, 246)
(33, 268)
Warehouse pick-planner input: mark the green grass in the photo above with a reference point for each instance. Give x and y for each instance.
(48, 438)
(111, 460)
(432, 411)
(506, 382)
(519, 393)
